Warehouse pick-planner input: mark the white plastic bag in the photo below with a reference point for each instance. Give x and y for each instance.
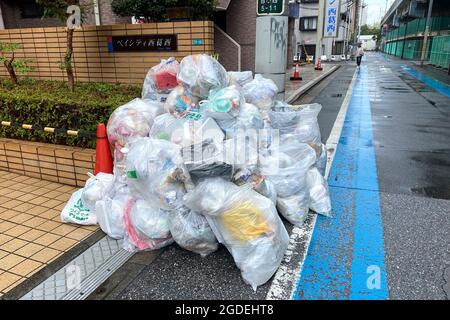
(146, 227)
(192, 232)
(240, 78)
(130, 121)
(160, 79)
(318, 192)
(295, 208)
(110, 214)
(295, 158)
(156, 172)
(97, 188)
(261, 92)
(77, 212)
(246, 222)
(201, 73)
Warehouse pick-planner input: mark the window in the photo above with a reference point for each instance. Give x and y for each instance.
(308, 24)
(30, 9)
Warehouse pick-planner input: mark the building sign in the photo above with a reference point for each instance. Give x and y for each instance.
(270, 7)
(331, 18)
(162, 42)
(197, 42)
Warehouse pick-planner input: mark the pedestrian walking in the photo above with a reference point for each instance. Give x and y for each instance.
(359, 54)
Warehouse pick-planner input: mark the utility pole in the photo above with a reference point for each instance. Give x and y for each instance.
(320, 18)
(272, 24)
(425, 35)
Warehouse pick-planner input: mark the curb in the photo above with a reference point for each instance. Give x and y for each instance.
(305, 88)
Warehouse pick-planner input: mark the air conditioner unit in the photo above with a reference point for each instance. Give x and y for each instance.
(417, 9)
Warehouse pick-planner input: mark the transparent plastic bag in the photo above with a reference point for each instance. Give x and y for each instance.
(294, 160)
(182, 104)
(295, 208)
(318, 192)
(156, 172)
(192, 232)
(223, 104)
(246, 222)
(249, 118)
(146, 227)
(321, 162)
(186, 132)
(240, 78)
(261, 92)
(97, 188)
(77, 212)
(161, 79)
(131, 120)
(201, 73)
(300, 121)
(110, 214)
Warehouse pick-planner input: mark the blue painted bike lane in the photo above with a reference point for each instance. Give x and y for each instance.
(346, 258)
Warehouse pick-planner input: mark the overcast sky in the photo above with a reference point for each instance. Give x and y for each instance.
(376, 10)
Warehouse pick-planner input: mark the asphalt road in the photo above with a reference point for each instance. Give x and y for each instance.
(411, 131)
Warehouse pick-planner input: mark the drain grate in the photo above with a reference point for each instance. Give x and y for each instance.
(84, 274)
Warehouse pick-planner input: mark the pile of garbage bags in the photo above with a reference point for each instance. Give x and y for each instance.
(205, 157)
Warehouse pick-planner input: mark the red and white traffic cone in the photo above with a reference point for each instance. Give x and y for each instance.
(296, 73)
(318, 65)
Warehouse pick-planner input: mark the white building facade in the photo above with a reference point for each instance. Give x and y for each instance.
(306, 29)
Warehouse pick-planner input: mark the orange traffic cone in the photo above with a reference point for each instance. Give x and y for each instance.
(103, 158)
(318, 65)
(296, 73)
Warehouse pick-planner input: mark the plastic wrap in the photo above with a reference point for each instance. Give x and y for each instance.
(182, 104)
(186, 132)
(156, 172)
(97, 188)
(161, 79)
(223, 104)
(318, 191)
(240, 78)
(294, 160)
(246, 222)
(130, 121)
(321, 162)
(201, 73)
(146, 227)
(110, 214)
(77, 212)
(192, 232)
(295, 208)
(261, 92)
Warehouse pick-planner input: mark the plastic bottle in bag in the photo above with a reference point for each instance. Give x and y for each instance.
(246, 223)
(182, 104)
(156, 172)
(318, 191)
(192, 232)
(161, 79)
(146, 226)
(201, 73)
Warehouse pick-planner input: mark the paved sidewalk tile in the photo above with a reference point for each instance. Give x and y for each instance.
(31, 233)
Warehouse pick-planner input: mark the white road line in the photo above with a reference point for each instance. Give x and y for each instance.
(288, 274)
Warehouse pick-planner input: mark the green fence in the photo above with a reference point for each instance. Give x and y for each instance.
(440, 51)
(418, 25)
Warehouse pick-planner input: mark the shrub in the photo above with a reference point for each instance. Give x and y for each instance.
(51, 104)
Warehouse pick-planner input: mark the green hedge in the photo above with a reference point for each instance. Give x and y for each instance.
(51, 104)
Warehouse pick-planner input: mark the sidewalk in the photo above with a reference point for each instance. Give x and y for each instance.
(31, 233)
(308, 74)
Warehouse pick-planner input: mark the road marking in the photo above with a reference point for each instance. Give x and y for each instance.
(346, 252)
(429, 81)
(284, 282)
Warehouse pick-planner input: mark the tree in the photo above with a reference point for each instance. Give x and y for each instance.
(12, 64)
(369, 30)
(155, 10)
(58, 9)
